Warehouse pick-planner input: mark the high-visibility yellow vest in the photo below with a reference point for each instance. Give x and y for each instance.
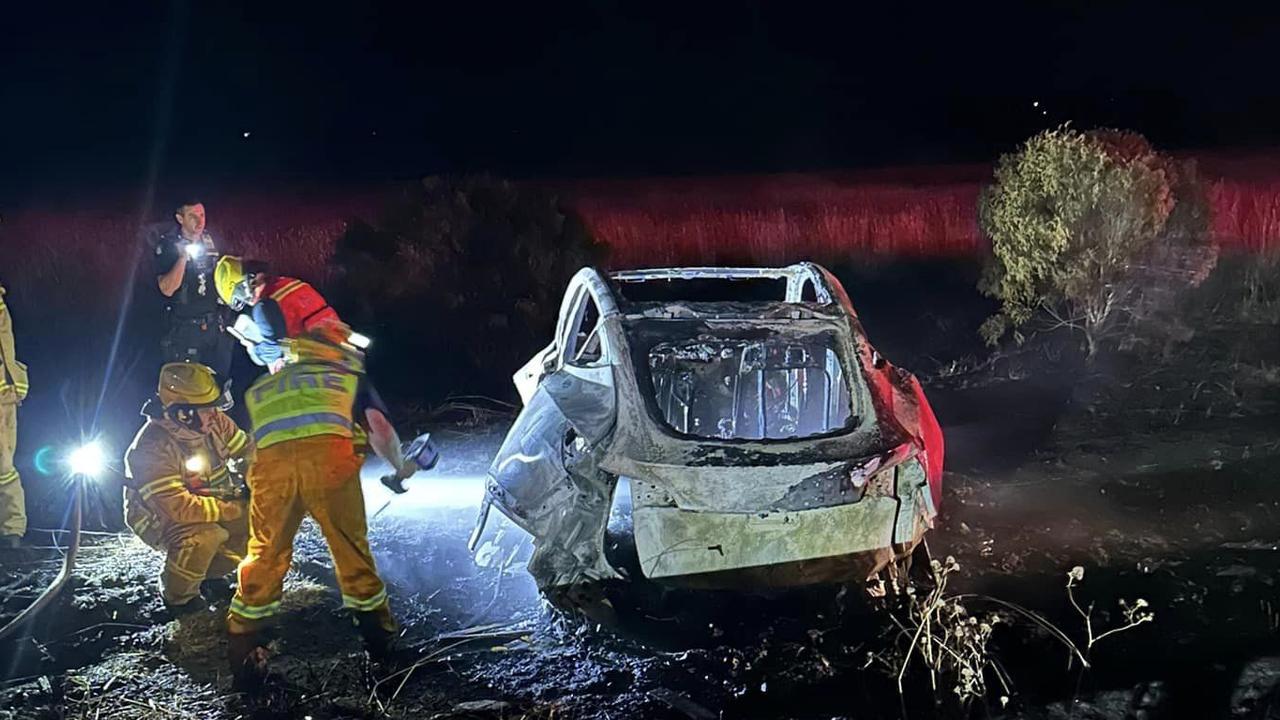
(302, 400)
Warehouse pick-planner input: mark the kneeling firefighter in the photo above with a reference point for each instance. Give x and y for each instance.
(304, 417)
(182, 491)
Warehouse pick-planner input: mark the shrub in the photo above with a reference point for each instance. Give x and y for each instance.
(464, 277)
(1261, 302)
(1091, 231)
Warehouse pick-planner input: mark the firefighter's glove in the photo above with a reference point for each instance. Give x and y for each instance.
(230, 510)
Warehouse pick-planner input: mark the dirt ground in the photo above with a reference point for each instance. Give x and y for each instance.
(1168, 495)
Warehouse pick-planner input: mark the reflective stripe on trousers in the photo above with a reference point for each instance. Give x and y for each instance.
(317, 476)
(197, 552)
(13, 501)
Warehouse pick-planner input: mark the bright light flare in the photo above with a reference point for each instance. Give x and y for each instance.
(196, 464)
(361, 341)
(195, 250)
(89, 460)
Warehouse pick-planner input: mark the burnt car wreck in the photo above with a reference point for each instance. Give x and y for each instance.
(765, 443)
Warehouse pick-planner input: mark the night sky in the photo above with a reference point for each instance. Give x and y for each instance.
(359, 91)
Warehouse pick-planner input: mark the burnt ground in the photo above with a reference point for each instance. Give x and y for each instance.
(1158, 479)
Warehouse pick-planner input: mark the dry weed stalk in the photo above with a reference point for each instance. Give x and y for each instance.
(1134, 615)
(949, 640)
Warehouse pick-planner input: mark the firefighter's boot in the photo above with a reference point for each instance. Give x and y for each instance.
(247, 657)
(217, 590)
(379, 639)
(194, 606)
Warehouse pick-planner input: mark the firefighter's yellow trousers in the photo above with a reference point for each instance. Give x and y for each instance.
(196, 552)
(319, 476)
(13, 509)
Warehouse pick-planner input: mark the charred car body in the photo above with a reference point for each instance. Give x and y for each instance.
(766, 444)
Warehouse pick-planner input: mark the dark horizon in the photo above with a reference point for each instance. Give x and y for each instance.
(352, 94)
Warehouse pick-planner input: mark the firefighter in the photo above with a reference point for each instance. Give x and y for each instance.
(13, 390)
(282, 307)
(194, 324)
(182, 494)
(303, 419)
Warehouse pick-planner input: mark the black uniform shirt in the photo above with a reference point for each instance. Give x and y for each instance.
(196, 296)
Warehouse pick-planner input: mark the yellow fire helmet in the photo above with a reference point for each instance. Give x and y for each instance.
(190, 384)
(229, 278)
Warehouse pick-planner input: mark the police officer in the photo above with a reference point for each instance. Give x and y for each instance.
(194, 323)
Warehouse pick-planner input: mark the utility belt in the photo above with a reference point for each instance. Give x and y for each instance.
(213, 318)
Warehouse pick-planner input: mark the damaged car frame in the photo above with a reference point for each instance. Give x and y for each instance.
(765, 443)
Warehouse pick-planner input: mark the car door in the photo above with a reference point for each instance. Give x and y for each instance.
(545, 471)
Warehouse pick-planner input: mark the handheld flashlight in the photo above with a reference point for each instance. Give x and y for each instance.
(195, 250)
(196, 464)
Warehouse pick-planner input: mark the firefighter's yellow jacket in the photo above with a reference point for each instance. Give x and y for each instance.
(13, 374)
(163, 489)
(13, 390)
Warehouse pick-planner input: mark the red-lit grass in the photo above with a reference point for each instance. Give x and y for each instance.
(68, 257)
(675, 223)
(82, 258)
(831, 218)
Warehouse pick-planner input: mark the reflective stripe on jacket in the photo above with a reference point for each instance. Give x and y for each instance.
(160, 490)
(303, 308)
(303, 400)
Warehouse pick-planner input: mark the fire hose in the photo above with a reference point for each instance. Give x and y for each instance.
(68, 564)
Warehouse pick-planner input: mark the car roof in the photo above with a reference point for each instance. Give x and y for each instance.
(796, 276)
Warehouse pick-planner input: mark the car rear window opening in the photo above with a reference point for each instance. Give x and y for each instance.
(751, 389)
